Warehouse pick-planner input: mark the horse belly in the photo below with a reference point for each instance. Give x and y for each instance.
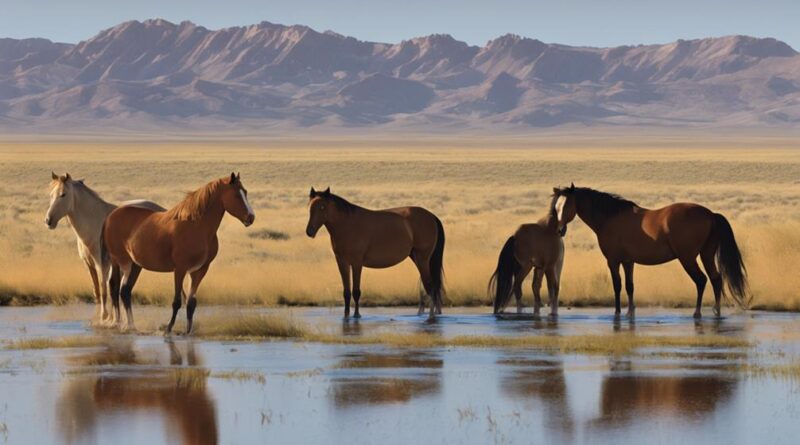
(381, 259)
(150, 251)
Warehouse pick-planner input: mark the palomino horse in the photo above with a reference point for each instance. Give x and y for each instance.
(629, 234)
(182, 240)
(86, 211)
(535, 246)
(379, 239)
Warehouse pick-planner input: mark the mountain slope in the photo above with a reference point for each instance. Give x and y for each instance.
(161, 74)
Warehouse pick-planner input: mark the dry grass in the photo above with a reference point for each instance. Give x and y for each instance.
(482, 192)
(242, 376)
(256, 327)
(74, 341)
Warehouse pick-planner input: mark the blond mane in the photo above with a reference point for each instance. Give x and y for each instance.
(195, 204)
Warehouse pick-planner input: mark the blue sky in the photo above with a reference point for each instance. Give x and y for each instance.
(575, 22)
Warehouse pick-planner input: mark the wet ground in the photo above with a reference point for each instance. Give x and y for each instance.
(147, 389)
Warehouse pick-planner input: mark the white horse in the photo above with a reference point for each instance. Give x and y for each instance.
(86, 212)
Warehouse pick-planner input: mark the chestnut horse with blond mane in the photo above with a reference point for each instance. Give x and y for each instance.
(629, 234)
(182, 240)
(379, 239)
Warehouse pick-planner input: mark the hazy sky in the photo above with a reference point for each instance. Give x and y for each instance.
(576, 22)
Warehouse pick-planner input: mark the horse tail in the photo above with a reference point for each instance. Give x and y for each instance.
(436, 266)
(502, 280)
(730, 264)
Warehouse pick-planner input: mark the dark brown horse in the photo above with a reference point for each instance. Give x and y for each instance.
(182, 240)
(535, 246)
(379, 239)
(629, 234)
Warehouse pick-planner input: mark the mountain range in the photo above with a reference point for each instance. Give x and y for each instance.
(156, 74)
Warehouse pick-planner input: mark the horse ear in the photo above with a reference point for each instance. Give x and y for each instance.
(312, 193)
(80, 180)
(572, 186)
(238, 176)
(67, 177)
(54, 175)
(327, 191)
(232, 179)
(556, 190)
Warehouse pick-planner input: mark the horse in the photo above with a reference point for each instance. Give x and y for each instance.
(538, 246)
(380, 239)
(86, 211)
(182, 240)
(629, 234)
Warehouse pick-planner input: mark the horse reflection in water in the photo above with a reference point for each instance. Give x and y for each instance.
(408, 375)
(625, 396)
(541, 380)
(183, 400)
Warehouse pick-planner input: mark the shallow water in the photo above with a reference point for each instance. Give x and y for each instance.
(129, 391)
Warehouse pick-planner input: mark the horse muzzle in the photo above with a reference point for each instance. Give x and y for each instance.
(311, 232)
(51, 223)
(249, 220)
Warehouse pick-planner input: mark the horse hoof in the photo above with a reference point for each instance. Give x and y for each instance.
(697, 315)
(630, 314)
(717, 312)
(357, 316)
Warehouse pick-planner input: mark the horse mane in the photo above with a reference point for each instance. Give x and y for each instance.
(340, 203)
(195, 204)
(78, 184)
(605, 205)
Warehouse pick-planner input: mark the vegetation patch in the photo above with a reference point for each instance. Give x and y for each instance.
(75, 341)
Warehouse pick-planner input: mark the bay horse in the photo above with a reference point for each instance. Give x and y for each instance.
(628, 234)
(538, 246)
(86, 211)
(379, 239)
(182, 240)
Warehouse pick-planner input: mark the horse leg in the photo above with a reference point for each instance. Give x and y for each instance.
(616, 281)
(691, 267)
(113, 288)
(129, 277)
(538, 275)
(344, 271)
(552, 290)
(425, 276)
(519, 279)
(102, 271)
(707, 257)
(96, 287)
(356, 287)
(191, 303)
(627, 266)
(177, 296)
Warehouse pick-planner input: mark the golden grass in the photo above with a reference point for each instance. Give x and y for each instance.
(74, 341)
(481, 188)
(242, 376)
(189, 378)
(258, 327)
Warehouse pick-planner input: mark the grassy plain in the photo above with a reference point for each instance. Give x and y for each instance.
(481, 188)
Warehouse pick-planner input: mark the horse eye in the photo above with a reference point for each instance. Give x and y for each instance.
(62, 195)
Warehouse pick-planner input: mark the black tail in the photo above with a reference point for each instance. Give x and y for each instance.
(436, 266)
(730, 264)
(503, 278)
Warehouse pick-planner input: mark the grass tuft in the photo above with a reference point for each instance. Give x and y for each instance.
(75, 341)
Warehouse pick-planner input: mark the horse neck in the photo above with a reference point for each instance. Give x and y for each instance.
(212, 217)
(87, 215)
(342, 221)
(551, 219)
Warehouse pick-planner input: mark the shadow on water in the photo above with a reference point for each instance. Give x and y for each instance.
(628, 396)
(385, 378)
(181, 398)
(542, 380)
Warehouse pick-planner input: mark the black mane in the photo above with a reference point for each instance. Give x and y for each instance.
(340, 203)
(605, 205)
